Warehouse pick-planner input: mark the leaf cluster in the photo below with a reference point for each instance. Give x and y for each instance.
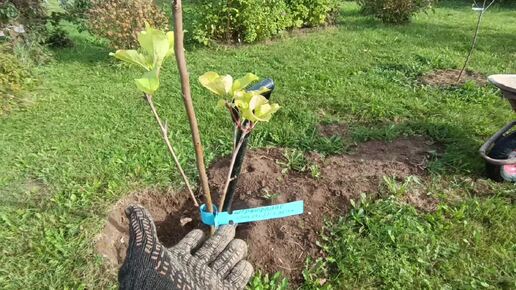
(155, 47)
(251, 105)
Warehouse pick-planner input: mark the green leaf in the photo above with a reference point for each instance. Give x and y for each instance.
(261, 91)
(243, 82)
(259, 109)
(149, 83)
(155, 43)
(170, 37)
(242, 99)
(133, 57)
(219, 85)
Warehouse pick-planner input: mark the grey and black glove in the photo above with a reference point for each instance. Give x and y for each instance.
(191, 264)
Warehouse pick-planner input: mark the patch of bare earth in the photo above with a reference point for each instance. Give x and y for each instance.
(448, 77)
(330, 130)
(284, 244)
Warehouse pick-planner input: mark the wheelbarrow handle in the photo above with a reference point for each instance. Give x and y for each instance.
(491, 141)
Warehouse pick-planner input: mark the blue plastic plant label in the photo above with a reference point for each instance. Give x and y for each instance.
(252, 214)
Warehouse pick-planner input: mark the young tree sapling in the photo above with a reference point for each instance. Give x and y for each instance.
(156, 47)
(247, 108)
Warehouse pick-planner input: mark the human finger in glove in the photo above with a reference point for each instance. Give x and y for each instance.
(194, 263)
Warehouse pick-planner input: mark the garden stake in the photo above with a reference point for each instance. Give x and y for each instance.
(187, 98)
(243, 137)
(164, 134)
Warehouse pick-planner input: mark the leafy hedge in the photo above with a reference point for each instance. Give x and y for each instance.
(395, 11)
(252, 20)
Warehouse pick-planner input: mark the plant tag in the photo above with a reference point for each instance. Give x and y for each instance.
(251, 214)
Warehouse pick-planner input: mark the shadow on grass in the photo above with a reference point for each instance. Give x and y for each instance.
(85, 50)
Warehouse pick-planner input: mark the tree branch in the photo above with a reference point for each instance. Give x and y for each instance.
(231, 165)
(164, 134)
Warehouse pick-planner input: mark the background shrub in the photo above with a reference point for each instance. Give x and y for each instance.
(251, 20)
(312, 13)
(24, 29)
(262, 19)
(119, 21)
(395, 11)
(14, 78)
(75, 11)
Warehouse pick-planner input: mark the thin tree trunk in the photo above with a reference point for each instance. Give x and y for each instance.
(473, 44)
(164, 134)
(187, 98)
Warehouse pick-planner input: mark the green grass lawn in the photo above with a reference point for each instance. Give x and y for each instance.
(89, 139)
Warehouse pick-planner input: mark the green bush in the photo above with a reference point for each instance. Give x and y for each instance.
(14, 77)
(395, 11)
(24, 29)
(262, 19)
(312, 13)
(252, 20)
(75, 11)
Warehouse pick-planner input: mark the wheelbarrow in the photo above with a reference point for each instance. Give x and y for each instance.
(499, 151)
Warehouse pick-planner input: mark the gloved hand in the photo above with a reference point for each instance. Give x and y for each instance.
(217, 264)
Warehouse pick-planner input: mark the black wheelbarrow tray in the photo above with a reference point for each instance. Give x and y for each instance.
(499, 151)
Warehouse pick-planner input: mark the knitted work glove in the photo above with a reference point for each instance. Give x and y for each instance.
(191, 264)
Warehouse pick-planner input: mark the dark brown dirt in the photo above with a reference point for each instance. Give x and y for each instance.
(278, 245)
(330, 130)
(448, 77)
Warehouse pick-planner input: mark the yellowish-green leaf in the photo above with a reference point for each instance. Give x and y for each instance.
(243, 82)
(170, 37)
(149, 83)
(219, 85)
(265, 111)
(242, 99)
(259, 109)
(133, 57)
(261, 91)
(155, 43)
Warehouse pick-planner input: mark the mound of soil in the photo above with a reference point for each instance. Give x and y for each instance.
(284, 244)
(448, 77)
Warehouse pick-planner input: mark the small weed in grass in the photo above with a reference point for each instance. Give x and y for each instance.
(295, 160)
(399, 188)
(263, 281)
(315, 171)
